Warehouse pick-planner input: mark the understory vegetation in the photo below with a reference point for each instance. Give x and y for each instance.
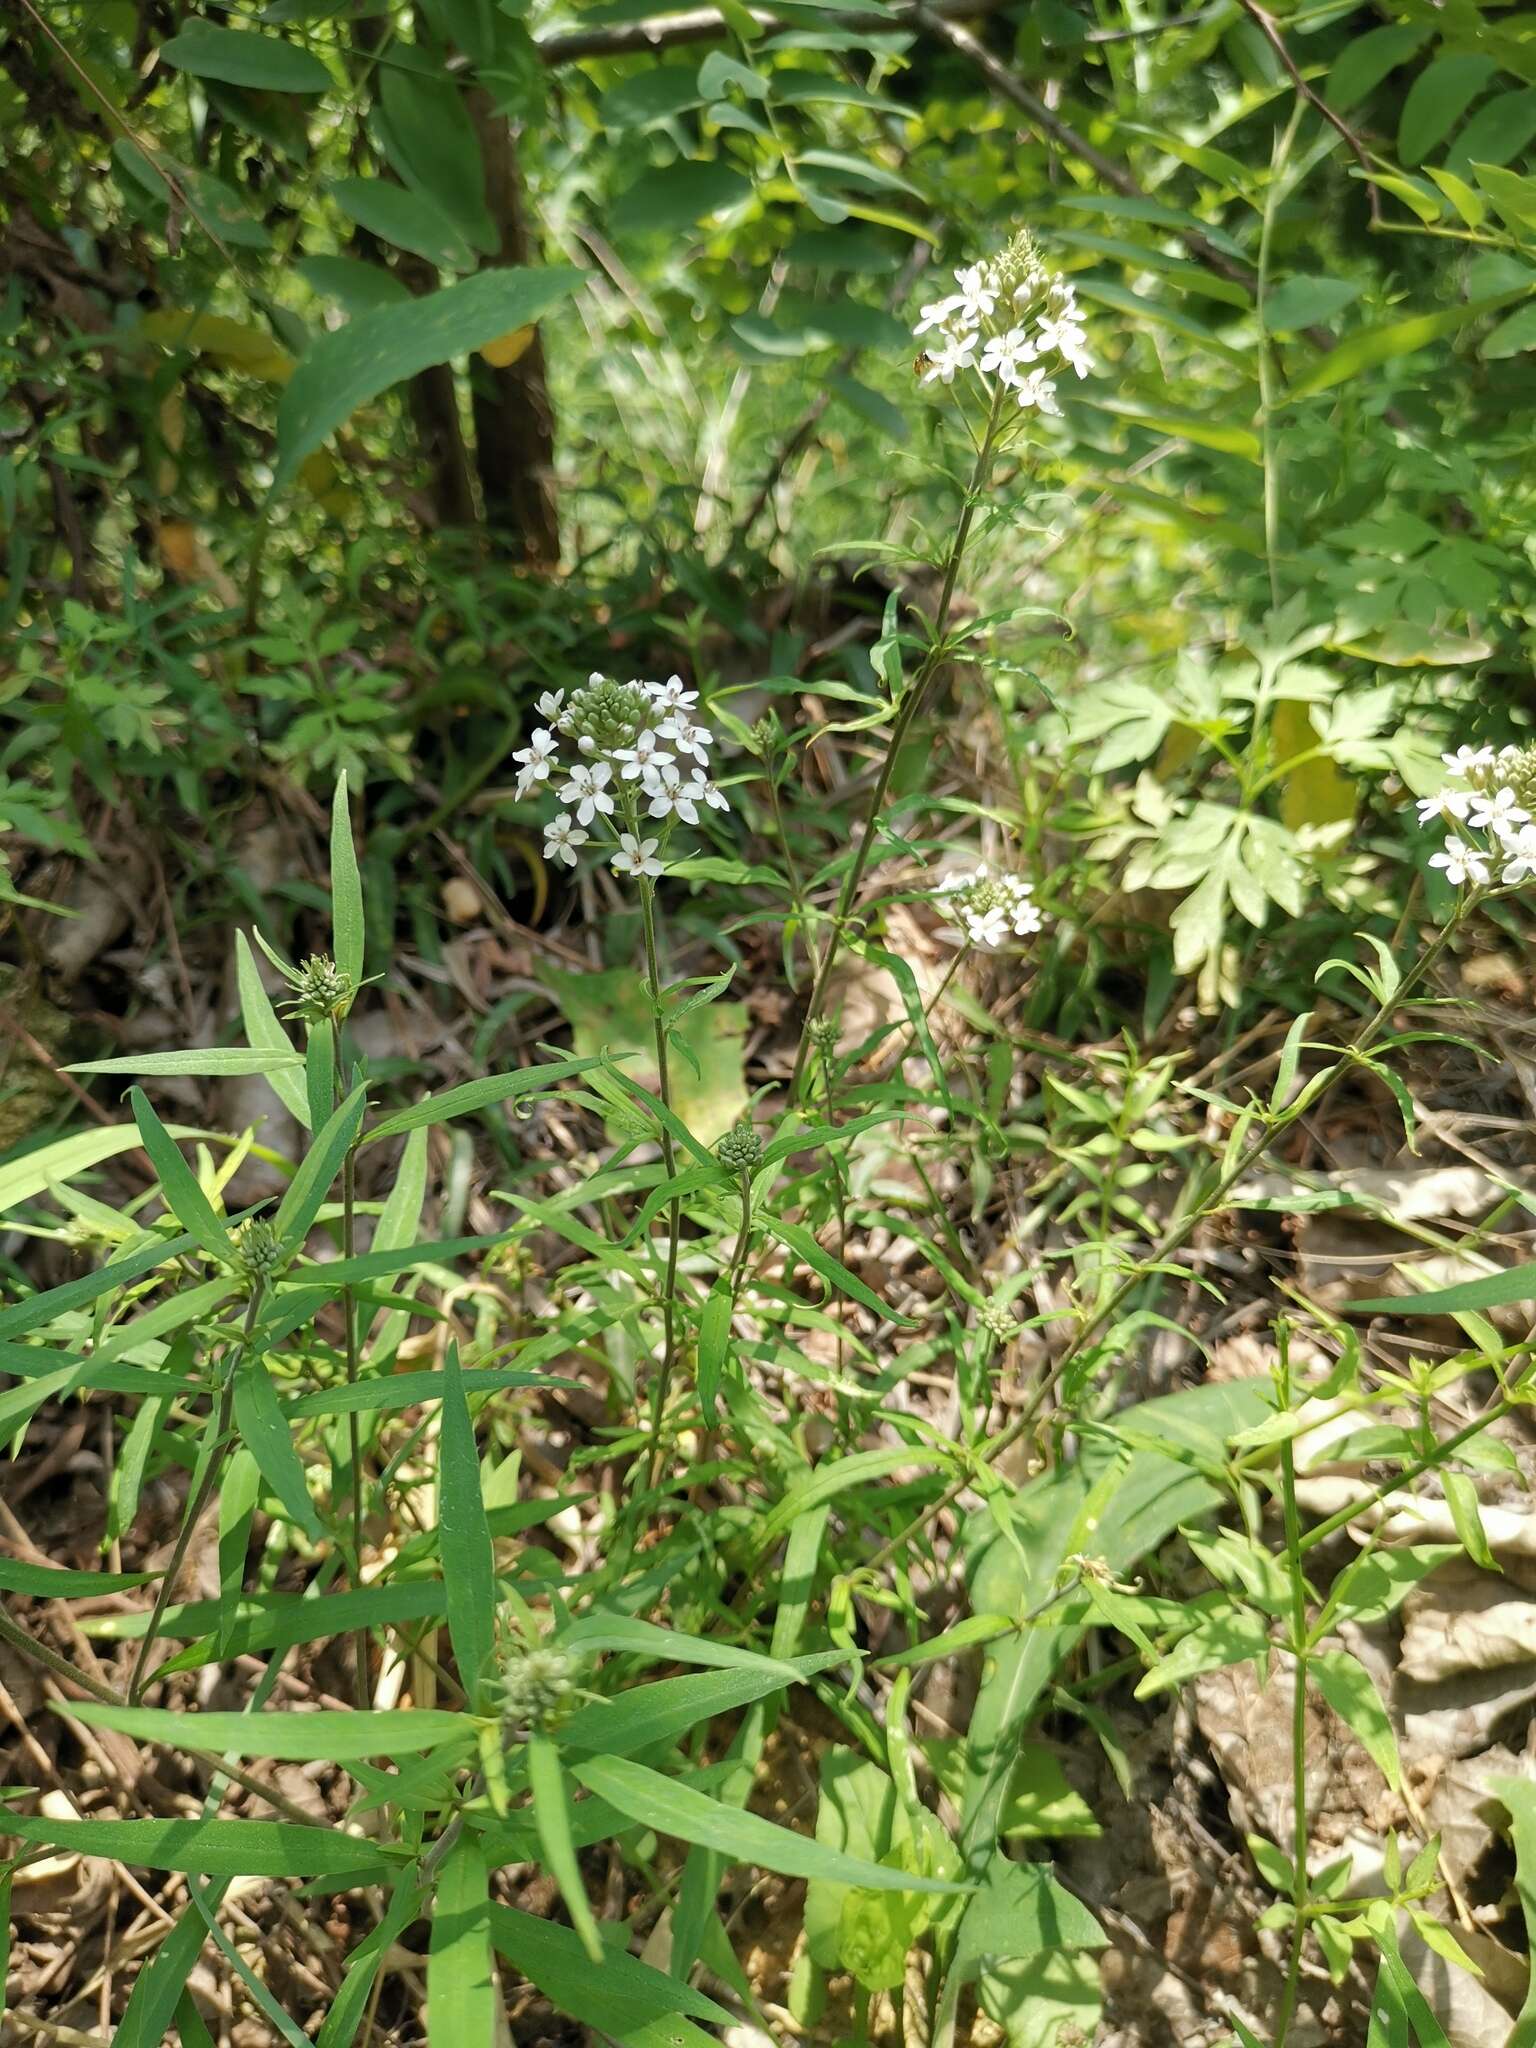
(768, 785)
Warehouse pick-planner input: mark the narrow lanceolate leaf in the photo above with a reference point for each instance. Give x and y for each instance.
(714, 1343)
(211, 1063)
(1350, 1690)
(346, 2013)
(265, 1032)
(1493, 1290)
(215, 1848)
(184, 1197)
(50, 1582)
(160, 1984)
(673, 1808)
(596, 1632)
(482, 1094)
(347, 931)
(617, 2000)
(318, 1170)
(837, 1276)
(286, 1737)
(552, 1818)
(464, 1536)
(40, 1309)
(650, 1714)
(265, 1433)
(461, 2002)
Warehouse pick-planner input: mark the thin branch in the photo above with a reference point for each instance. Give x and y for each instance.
(700, 24)
(1271, 34)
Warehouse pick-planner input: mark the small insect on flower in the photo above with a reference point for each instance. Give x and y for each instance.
(636, 856)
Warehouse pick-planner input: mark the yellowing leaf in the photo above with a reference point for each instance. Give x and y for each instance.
(1315, 791)
(506, 348)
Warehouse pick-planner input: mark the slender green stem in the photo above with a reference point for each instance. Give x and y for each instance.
(204, 1492)
(1300, 1644)
(354, 1420)
(910, 708)
(661, 1384)
(738, 1265)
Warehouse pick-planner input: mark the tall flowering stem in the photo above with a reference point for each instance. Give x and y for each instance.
(661, 1382)
(1008, 328)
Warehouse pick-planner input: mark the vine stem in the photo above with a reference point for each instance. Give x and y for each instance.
(1173, 1240)
(906, 716)
(200, 1500)
(661, 1384)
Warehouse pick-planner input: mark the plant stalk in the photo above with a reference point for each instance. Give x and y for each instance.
(661, 1384)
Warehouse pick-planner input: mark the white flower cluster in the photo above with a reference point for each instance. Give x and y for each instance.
(1488, 799)
(1013, 322)
(989, 908)
(643, 758)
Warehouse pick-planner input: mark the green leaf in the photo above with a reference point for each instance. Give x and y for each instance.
(405, 220)
(234, 57)
(462, 2003)
(647, 1715)
(714, 1347)
(347, 926)
(406, 1389)
(265, 1433)
(837, 1276)
(266, 1035)
(216, 1848)
(1467, 1516)
(610, 1012)
(473, 1095)
(218, 1062)
(662, 201)
(620, 1999)
(1514, 1283)
(1367, 59)
(51, 1582)
(1307, 302)
(317, 1171)
(676, 1809)
(359, 287)
(1370, 346)
(552, 1818)
(287, 1737)
(1019, 1910)
(39, 1309)
(464, 1536)
(346, 2014)
(179, 1185)
(1350, 1690)
(342, 370)
(1375, 1585)
(622, 1632)
(159, 1985)
(1436, 101)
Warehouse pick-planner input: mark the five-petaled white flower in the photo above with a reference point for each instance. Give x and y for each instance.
(1467, 760)
(548, 706)
(671, 796)
(587, 791)
(1462, 863)
(1004, 354)
(636, 856)
(646, 753)
(1037, 391)
(562, 836)
(1519, 856)
(535, 757)
(671, 696)
(1497, 811)
(976, 299)
(692, 740)
(704, 791)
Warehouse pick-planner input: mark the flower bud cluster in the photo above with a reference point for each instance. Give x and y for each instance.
(740, 1149)
(1489, 797)
(641, 758)
(322, 993)
(988, 908)
(534, 1688)
(1013, 323)
(258, 1249)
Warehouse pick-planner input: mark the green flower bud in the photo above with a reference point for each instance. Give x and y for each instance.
(534, 1688)
(322, 993)
(740, 1149)
(258, 1251)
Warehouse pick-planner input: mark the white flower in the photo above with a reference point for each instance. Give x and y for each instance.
(1519, 856)
(548, 706)
(1467, 760)
(645, 753)
(958, 353)
(1445, 803)
(1004, 353)
(670, 695)
(587, 792)
(693, 740)
(1069, 338)
(1038, 391)
(562, 836)
(672, 797)
(535, 757)
(937, 315)
(977, 297)
(703, 791)
(636, 856)
(1462, 863)
(1497, 812)
(986, 928)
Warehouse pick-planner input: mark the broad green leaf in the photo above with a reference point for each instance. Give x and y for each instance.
(676, 1809)
(1366, 60)
(1370, 346)
(178, 1183)
(1467, 1515)
(359, 287)
(464, 1536)
(216, 1848)
(236, 57)
(265, 1433)
(347, 925)
(405, 220)
(662, 201)
(288, 1737)
(344, 369)
(1307, 302)
(1436, 101)
(1019, 1910)
(461, 1994)
(552, 1818)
